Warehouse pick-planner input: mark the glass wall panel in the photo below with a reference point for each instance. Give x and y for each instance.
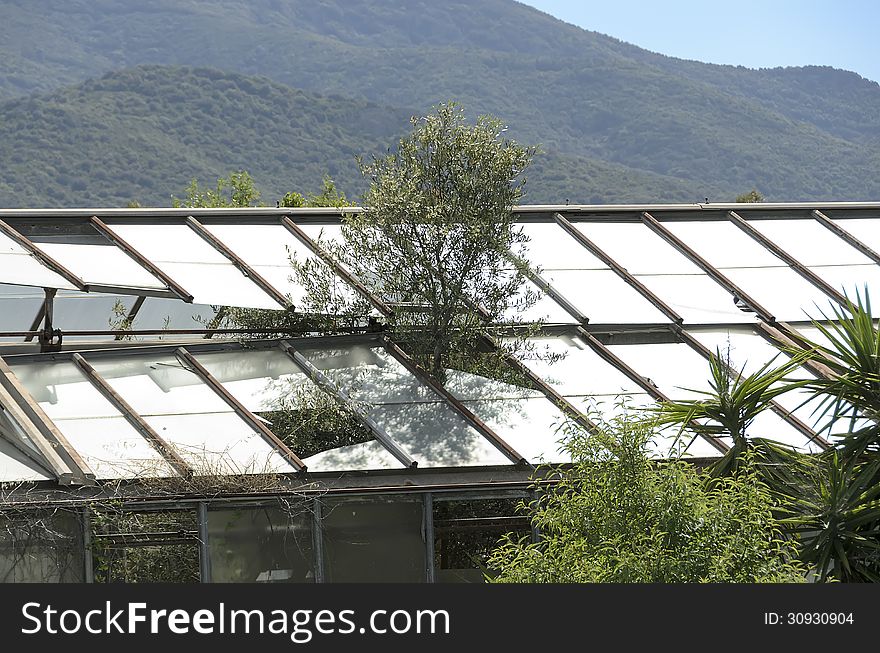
(374, 542)
(184, 256)
(467, 531)
(41, 547)
(268, 544)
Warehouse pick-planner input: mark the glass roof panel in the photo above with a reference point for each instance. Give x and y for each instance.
(637, 248)
(866, 230)
(723, 244)
(17, 266)
(781, 290)
(851, 281)
(675, 369)
(809, 242)
(603, 297)
(367, 455)
(101, 264)
(268, 249)
(697, 298)
(551, 248)
(203, 271)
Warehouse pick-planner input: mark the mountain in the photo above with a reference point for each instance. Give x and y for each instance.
(142, 134)
(595, 104)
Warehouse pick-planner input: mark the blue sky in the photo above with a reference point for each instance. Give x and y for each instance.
(753, 33)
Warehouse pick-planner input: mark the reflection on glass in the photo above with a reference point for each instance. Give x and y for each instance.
(41, 547)
(374, 542)
(261, 544)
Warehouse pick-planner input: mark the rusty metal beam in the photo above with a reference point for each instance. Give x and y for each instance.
(790, 260)
(328, 386)
(81, 472)
(238, 262)
(140, 259)
(738, 293)
(621, 271)
(349, 278)
(246, 415)
(404, 359)
(609, 357)
(132, 417)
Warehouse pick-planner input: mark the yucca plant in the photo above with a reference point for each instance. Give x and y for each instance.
(732, 404)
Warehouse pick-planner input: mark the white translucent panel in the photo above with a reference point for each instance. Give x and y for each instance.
(322, 232)
(63, 391)
(772, 427)
(369, 374)
(260, 380)
(268, 249)
(867, 230)
(637, 248)
(697, 298)
(363, 456)
(203, 271)
(101, 264)
(603, 297)
(809, 242)
(466, 386)
(15, 466)
(159, 385)
(780, 290)
(814, 335)
(541, 307)
(571, 367)
(436, 435)
(723, 244)
(219, 443)
(533, 427)
(552, 248)
(17, 266)
(675, 369)
(113, 449)
(851, 281)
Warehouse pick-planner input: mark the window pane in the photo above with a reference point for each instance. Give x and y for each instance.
(101, 264)
(374, 542)
(17, 266)
(38, 547)
(263, 545)
(203, 271)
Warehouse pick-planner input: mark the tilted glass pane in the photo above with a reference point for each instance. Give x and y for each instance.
(723, 244)
(531, 304)
(637, 248)
(268, 249)
(190, 416)
(108, 443)
(852, 281)
(193, 263)
(781, 290)
(101, 264)
(697, 298)
(552, 248)
(809, 242)
(603, 297)
(366, 455)
(472, 385)
(675, 369)
(17, 266)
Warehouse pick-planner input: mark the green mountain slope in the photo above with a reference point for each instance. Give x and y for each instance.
(794, 133)
(142, 134)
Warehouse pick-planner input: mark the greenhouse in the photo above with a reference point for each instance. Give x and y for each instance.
(141, 440)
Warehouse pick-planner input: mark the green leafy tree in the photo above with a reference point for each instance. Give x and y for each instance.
(750, 197)
(236, 190)
(617, 516)
(436, 234)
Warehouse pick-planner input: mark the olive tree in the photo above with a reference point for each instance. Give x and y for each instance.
(436, 233)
